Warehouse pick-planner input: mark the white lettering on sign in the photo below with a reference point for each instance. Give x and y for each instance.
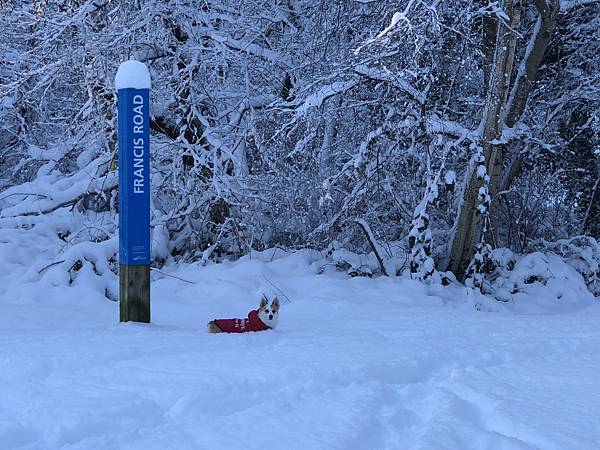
(138, 145)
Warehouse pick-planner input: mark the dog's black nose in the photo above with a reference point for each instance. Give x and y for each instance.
(270, 316)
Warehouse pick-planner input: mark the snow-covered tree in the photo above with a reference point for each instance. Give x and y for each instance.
(286, 123)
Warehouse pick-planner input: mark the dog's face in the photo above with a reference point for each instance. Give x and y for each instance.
(269, 314)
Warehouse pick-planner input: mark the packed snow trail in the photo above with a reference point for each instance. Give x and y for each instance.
(354, 364)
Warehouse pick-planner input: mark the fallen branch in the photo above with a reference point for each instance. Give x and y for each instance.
(50, 265)
(24, 194)
(373, 243)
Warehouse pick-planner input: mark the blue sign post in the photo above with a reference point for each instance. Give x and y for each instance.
(133, 88)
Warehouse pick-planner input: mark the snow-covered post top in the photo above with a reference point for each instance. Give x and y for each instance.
(132, 75)
(133, 87)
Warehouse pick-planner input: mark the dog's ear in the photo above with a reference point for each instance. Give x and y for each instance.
(264, 301)
(275, 304)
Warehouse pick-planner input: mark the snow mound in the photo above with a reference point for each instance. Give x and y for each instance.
(583, 254)
(539, 283)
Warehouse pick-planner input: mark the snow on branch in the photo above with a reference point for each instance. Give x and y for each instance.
(316, 100)
(567, 5)
(397, 17)
(435, 124)
(381, 75)
(492, 9)
(252, 49)
(54, 191)
(259, 101)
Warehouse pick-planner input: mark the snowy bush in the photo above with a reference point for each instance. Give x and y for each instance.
(347, 261)
(582, 253)
(536, 282)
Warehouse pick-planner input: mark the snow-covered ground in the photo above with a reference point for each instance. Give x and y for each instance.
(354, 364)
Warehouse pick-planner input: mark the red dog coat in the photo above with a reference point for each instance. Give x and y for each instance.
(252, 323)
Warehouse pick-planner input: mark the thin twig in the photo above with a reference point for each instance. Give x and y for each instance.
(50, 265)
(275, 287)
(173, 276)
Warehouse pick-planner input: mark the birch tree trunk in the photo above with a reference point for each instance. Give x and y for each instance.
(501, 110)
(526, 75)
(497, 93)
(497, 152)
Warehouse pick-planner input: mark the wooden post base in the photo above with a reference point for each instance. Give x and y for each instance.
(134, 293)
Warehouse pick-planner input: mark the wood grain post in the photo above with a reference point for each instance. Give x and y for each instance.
(134, 293)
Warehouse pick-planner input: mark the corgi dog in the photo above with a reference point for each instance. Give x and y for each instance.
(264, 318)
